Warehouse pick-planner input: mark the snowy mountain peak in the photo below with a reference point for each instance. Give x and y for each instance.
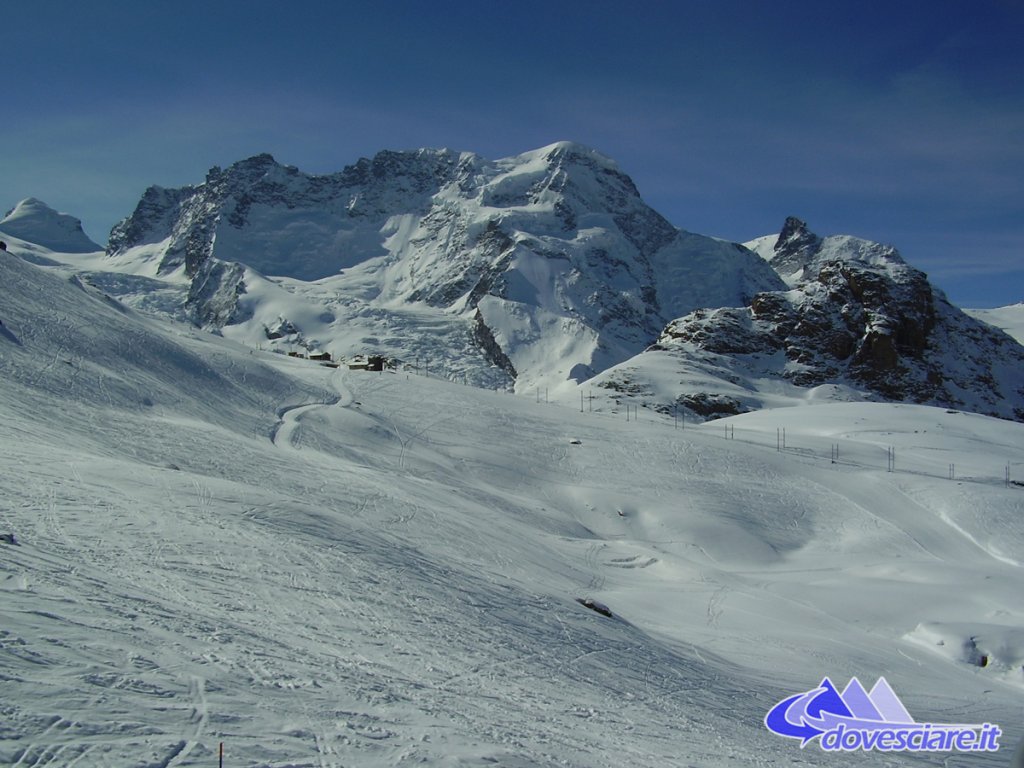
(797, 254)
(571, 151)
(250, 170)
(795, 237)
(34, 221)
(793, 250)
(262, 160)
(549, 261)
(794, 229)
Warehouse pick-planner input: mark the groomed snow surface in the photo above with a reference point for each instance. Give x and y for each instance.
(323, 567)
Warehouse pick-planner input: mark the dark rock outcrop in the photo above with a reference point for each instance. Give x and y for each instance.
(857, 314)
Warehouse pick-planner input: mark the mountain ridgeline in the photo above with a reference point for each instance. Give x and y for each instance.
(548, 257)
(549, 269)
(855, 318)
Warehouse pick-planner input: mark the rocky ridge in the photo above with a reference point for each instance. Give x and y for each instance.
(857, 315)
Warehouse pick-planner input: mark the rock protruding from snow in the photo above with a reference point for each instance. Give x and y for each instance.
(857, 316)
(794, 249)
(35, 222)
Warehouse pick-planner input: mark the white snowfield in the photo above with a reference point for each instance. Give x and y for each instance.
(322, 567)
(1009, 319)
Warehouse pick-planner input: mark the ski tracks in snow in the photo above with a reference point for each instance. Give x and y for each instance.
(198, 718)
(287, 432)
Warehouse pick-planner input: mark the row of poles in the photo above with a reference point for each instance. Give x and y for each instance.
(633, 414)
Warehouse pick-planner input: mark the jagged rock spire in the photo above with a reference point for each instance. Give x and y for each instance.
(794, 249)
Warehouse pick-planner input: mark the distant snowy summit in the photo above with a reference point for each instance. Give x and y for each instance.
(545, 269)
(1009, 319)
(35, 222)
(552, 261)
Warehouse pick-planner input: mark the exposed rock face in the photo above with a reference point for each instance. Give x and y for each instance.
(484, 337)
(795, 249)
(858, 314)
(550, 258)
(213, 294)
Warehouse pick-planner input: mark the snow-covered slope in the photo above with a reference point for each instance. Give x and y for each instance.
(857, 322)
(323, 567)
(1009, 319)
(35, 222)
(548, 262)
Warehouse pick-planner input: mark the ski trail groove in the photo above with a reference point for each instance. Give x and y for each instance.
(198, 718)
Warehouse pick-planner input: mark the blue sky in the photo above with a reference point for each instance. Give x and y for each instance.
(898, 122)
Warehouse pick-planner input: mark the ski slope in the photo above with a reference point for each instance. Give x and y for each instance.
(322, 567)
